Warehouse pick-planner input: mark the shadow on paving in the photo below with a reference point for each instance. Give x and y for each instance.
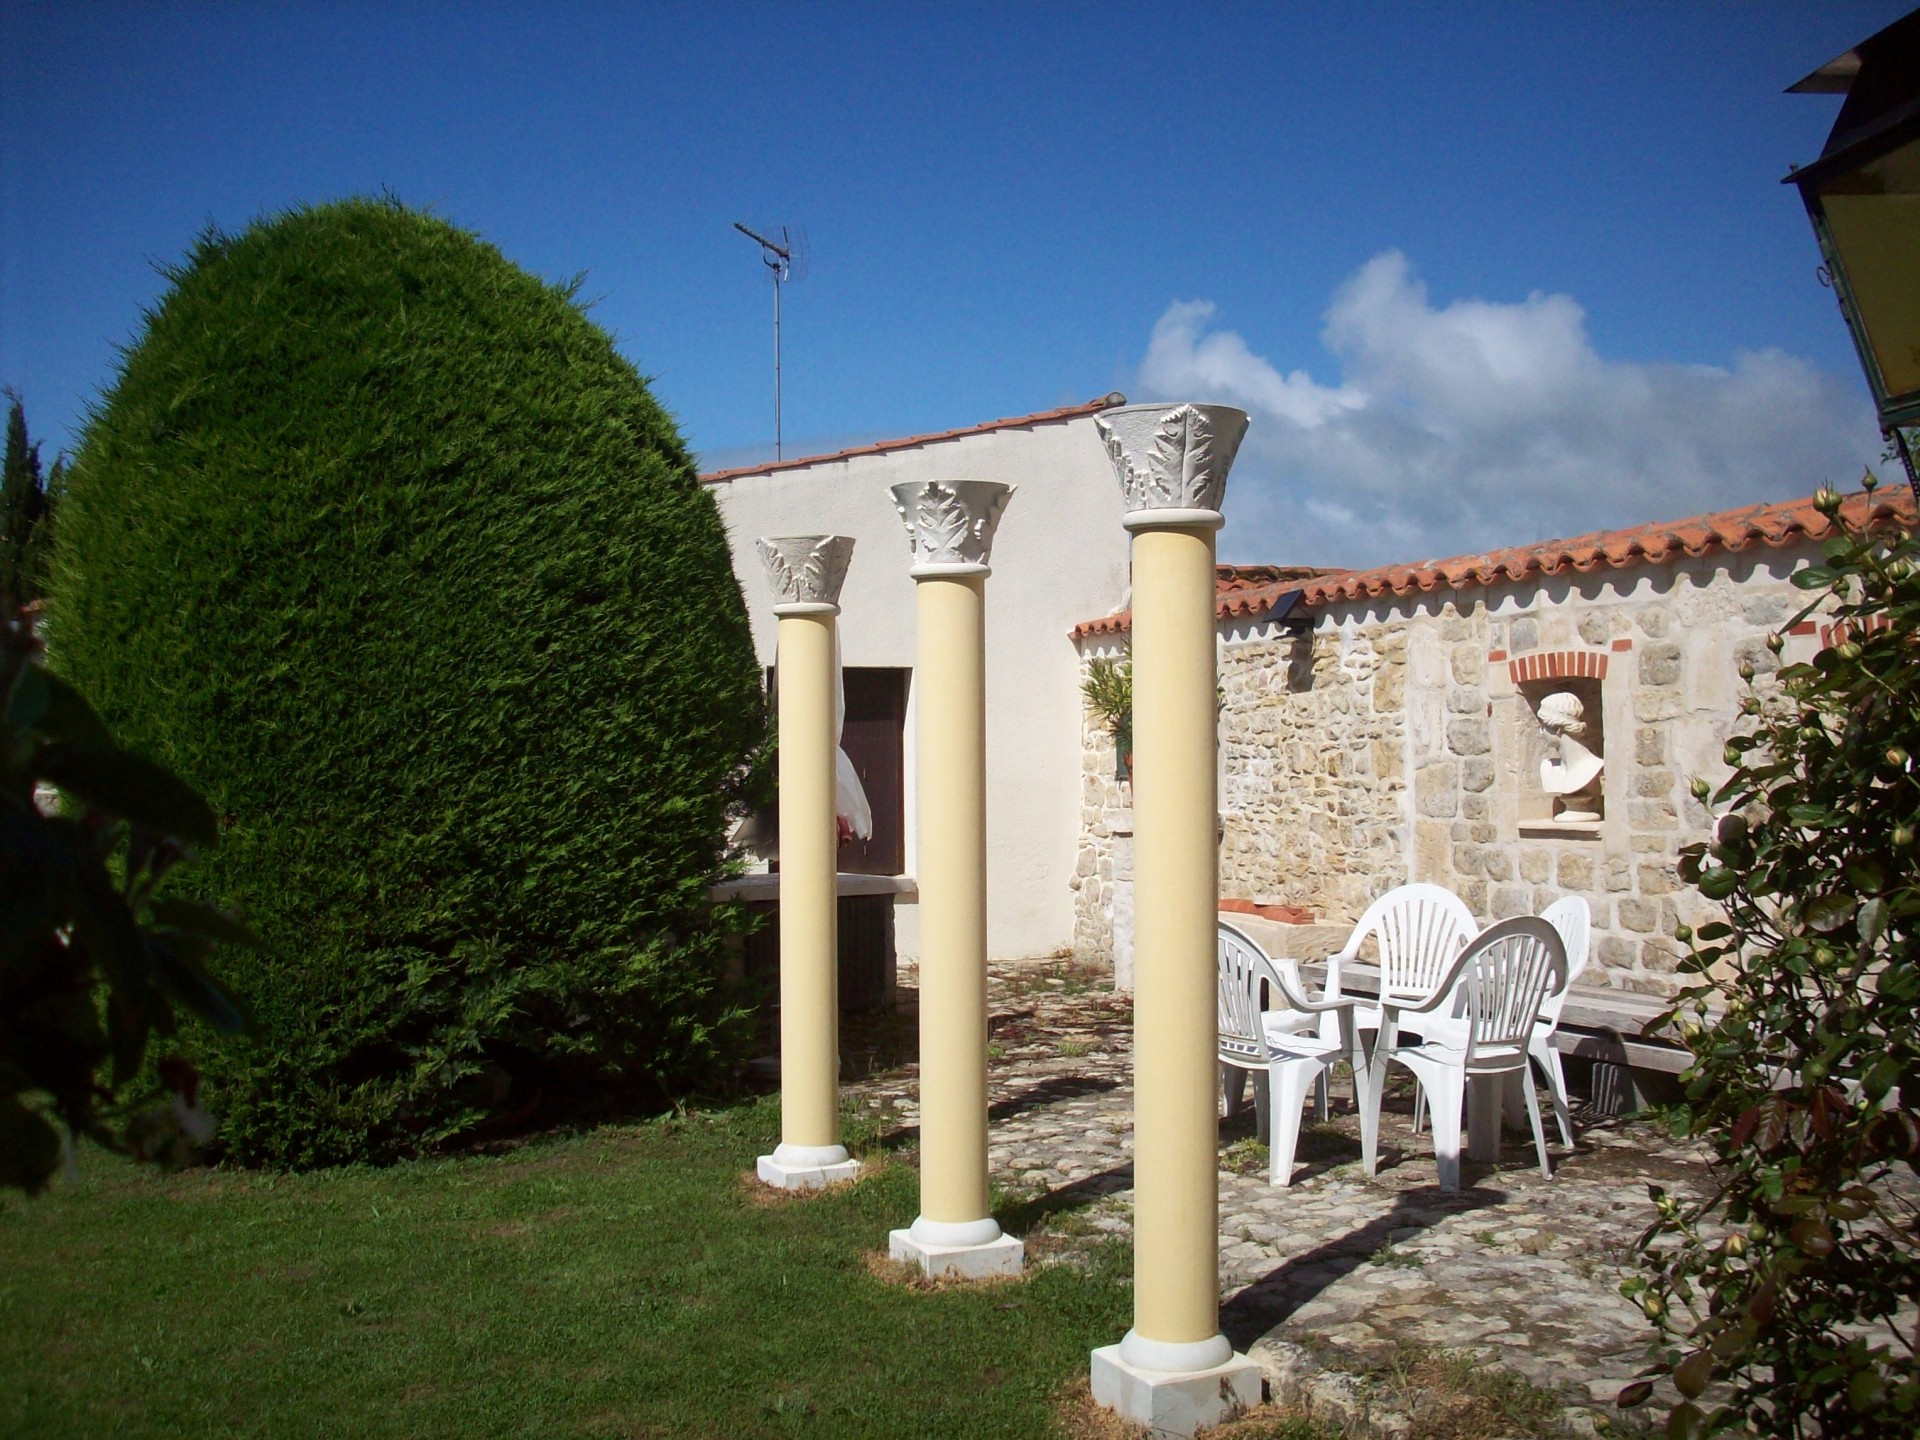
(1276, 1295)
(1022, 1217)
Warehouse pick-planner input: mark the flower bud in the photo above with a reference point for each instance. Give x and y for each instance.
(1776, 642)
(1700, 788)
(1850, 650)
(1897, 757)
(1826, 500)
(1683, 933)
(1748, 670)
(1731, 756)
(1902, 836)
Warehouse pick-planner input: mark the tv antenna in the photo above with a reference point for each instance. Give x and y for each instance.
(786, 258)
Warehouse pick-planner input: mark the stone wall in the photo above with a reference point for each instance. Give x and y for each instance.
(1396, 740)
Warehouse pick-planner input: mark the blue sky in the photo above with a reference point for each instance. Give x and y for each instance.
(1481, 273)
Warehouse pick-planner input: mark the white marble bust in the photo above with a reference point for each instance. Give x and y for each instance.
(1571, 776)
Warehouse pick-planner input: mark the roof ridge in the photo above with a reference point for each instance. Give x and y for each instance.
(907, 442)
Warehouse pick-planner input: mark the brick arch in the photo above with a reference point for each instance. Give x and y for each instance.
(1558, 665)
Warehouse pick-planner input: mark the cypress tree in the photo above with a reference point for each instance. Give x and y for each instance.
(24, 529)
(378, 542)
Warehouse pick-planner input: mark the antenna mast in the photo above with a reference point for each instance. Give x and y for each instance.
(778, 257)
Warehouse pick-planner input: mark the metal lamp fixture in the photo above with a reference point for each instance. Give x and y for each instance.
(1863, 196)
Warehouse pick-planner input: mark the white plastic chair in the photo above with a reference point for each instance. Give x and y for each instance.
(1268, 1044)
(1419, 930)
(1571, 917)
(1492, 994)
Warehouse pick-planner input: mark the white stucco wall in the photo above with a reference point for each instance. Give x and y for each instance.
(1060, 556)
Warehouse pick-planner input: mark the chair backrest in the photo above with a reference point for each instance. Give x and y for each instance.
(1420, 929)
(1243, 967)
(1506, 972)
(1571, 917)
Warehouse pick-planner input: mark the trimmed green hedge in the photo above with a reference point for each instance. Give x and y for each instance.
(379, 543)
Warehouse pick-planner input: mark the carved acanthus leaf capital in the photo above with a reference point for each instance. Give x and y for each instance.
(1172, 457)
(950, 523)
(805, 569)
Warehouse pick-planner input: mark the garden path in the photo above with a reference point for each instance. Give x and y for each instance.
(1338, 1284)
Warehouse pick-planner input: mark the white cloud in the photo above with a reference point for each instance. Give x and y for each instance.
(1486, 423)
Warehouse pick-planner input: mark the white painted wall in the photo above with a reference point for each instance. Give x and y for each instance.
(1059, 557)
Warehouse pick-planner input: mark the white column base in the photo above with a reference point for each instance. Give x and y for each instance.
(1175, 1402)
(982, 1260)
(806, 1167)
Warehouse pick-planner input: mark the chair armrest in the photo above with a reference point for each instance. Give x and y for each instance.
(1442, 993)
(1288, 974)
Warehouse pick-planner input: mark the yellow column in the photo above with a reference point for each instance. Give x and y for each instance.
(1176, 1228)
(806, 572)
(951, 774)
(950, 525)
(1174, 1371)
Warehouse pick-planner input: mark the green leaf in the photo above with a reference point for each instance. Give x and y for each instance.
(180, 975)
(1829, 912)
(1690, 1376)
(1873, 920)
(199, 919)
(1718, 883)
(1814, 577)
(45, 703)
(130, 787)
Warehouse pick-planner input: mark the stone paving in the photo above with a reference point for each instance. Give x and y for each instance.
(1338, 1275)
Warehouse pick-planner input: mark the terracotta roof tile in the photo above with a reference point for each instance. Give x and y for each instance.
(880, 447)
(1775, 525)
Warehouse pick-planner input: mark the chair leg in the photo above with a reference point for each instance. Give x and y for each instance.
(1322, 1107)
(1233, 1081)
(1287, 1088)
(1539, 1130)
(1419, 1107)
(1369, 1083)
(1447, 1086)
(1549, 1059)
(1262, 1107)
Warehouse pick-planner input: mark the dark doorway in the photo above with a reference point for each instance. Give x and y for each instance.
(874, 738)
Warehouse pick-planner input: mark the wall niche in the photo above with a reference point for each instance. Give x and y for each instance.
(1563, 758)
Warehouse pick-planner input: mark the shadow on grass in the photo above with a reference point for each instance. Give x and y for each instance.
(1021, 1215)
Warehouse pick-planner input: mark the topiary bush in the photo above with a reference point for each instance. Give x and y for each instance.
(379, 543)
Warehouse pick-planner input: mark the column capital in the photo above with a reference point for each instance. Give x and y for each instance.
(950, 523)
(805, 571)
(1172, 460)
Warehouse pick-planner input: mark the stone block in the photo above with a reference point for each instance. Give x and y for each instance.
(1660, 663)
(1536, 864)
(1002, 1256)
(1526, 635)
(1575, 871)
(1390, 688)
(1468, 663)
(1476, 773)
(1652, 815)
(1474, 893)
(1619, 875)
(1656, 707)
(1466, 859)
(1496, 862)
(1436, 789)
(1464, 701)
(1475, 807)
(1638, 915)
(1431, 846)
(1595, 628)
(1650, 745)
(1511, 900)
(1659, 957)
(1615, 953)
(1657, 878)
(1653, 622)
(1653, 782)
(1469, 736)
(1175, 1403)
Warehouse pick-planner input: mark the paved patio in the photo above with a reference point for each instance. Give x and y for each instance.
(1339, 1283)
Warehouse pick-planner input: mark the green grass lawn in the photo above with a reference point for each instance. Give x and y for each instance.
(626, 1282)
